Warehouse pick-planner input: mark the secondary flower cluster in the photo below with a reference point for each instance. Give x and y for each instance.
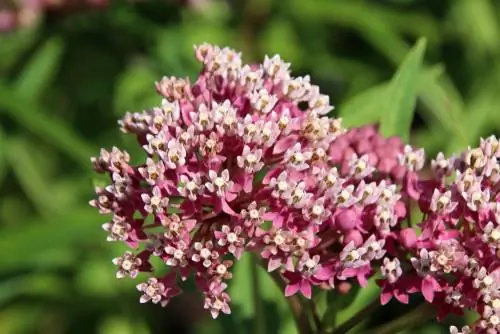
(245, 159)
(25, 13)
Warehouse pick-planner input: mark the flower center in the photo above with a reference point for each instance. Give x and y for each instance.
(279, 240)
(232, 237)
(205, 253)
(178, 254)
(127, 265)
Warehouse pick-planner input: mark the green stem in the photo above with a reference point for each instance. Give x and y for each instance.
(316, 318)
(358, 317)
(296, 306)
(260, 325)
(414, 317)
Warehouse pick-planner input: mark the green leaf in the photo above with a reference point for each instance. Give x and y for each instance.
(34, 244)
(40, 69)
(241, 287)
(14, 44)
(33, 117)
(364, 108)
(279, 38)
(443, 103)
(31, 178)
(3, 156)
(477, 24)
(368, 106)
(402, 95)
(122, 325)
(359, 300)
(97, 277)
(337, 302)
(136, 89)
(372, 22)
(41, 284)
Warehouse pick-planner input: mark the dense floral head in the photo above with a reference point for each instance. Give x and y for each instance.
(245, 159)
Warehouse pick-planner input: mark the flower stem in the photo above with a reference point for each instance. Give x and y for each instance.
(316, 318)
(358, 317)
(296, 306)
(416, 316)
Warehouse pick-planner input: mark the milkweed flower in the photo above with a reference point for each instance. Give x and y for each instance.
(234, 165)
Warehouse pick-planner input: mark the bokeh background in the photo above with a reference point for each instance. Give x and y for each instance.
(69, 69)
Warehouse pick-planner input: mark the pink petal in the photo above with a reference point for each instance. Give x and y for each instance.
(305, 288)
(238, 252)
(289, 264)
(324, 273)
(362, 280)
(435, 284)
(273, 264)
(284, 144)
(186, 108)
(401, 296)
(227, 209)
(230, 196)
(219, 234)
(270, 174)
(385, 296)
(292, 289)
(428, 289)
(247, 185)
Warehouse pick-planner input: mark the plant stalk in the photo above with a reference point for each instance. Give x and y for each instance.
(296, 306)
(358, 317)
(416, 316)
(259, 325)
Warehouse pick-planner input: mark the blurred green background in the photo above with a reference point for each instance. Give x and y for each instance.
(68, 74)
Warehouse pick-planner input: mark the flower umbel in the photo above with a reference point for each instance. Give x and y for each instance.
(234, 165)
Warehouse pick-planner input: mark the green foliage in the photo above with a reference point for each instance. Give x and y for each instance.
(399, 104)
(64, 83)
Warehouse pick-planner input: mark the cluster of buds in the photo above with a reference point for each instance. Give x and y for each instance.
(25, 13)
(245, 159)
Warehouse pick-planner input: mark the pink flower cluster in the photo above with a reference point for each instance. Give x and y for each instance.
(245, 159)
(25, 13)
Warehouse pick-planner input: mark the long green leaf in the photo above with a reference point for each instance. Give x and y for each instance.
(477, 23)
(372, 22)
(30, 177)
(3, 158)
(365, 107)
(42, 242)
(363, 298)
(33, 117)
(241, 287)
(444, 104)
(402, 95)
(40, 69)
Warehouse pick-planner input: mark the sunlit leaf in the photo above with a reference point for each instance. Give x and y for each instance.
(362, 298)
(30, 285)
(122, 325)
(14, 45)
(279, 38)
(31, 178)
(399, 106)
(367, 20)
(28, 246)
(48, 128)
(97, 277)
(364, 108)
(241, 287)
(3, 156)
(477, 24)
(38, 73)
(136, 89)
